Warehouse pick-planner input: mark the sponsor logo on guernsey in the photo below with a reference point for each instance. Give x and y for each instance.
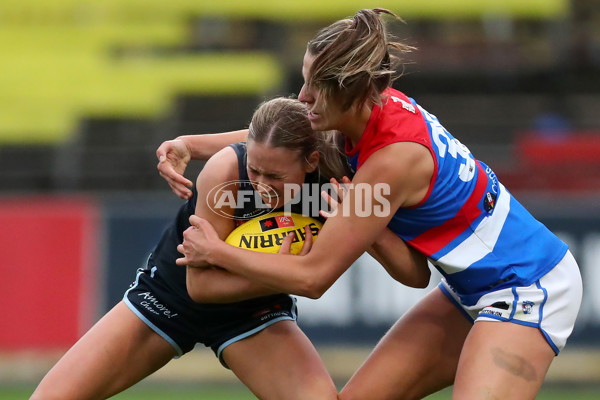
(489, 200)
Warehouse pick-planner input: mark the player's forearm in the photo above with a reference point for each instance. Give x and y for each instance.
(204, 146)
(213, 285)
(402, 262)
(282, 273)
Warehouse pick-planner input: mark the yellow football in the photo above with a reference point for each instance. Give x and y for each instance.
(265, 234)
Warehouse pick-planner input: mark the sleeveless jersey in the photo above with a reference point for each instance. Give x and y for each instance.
(469, 225)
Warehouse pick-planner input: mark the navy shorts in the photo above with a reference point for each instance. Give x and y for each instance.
(182, 322)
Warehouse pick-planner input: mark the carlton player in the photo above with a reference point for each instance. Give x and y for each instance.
(169, 309)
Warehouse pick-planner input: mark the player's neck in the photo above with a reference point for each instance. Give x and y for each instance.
(355, 123)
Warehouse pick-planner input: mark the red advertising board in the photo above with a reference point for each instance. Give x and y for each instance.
(48, 267)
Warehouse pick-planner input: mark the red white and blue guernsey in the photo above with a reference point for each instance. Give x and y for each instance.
(470, 227)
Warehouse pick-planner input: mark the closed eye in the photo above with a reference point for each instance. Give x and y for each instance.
(276, 177)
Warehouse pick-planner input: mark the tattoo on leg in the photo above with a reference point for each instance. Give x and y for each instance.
(514, 364)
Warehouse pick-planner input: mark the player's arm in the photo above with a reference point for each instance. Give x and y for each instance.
(174, 156)
(402, 262)
(204, 146)
(213, 284)
(343, 237)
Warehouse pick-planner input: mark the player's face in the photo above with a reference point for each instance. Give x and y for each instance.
(271, 168)
(322, 114)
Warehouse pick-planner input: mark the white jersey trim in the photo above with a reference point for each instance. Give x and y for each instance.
(482, 241)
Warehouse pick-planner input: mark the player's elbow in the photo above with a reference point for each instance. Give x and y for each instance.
(312, 293)
(417, 278)
(423, 275)
(206, 296)
(313, 287)
(419, 275)
(313, 277)
(198, 293)
(422, 280)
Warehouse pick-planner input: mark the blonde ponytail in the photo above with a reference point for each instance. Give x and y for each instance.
(355, 59)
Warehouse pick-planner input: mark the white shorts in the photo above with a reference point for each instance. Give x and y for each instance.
(551, 304)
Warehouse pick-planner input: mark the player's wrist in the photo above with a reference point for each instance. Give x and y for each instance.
(217, 254)
(185, 141)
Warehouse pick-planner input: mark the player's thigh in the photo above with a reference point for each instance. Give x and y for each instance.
(504, 360)
(280, 362)
(418, 355)
(118, 351)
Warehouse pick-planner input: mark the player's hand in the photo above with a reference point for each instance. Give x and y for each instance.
(173, 158)
(341, 189)
(289, 239)
(198, 240)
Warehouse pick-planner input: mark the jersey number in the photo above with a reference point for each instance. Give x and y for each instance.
(452, 146)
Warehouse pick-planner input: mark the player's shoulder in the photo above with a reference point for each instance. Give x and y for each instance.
(398, 103)
(399, 98)
(222, 166)
(397, 108)
(400, 119)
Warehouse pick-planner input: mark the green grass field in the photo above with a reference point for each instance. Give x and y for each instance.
(238, 392)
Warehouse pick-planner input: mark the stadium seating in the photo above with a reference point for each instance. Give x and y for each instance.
(82, 80)
(52, 77)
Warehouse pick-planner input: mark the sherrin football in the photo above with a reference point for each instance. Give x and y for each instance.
(265, 234)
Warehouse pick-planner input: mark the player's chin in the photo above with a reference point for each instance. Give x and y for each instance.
(316, 121)
(317, 125)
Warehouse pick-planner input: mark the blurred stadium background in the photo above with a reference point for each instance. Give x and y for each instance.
(89, 89)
